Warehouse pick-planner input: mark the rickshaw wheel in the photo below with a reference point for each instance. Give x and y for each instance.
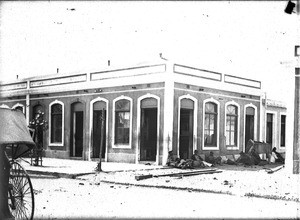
(21, 203)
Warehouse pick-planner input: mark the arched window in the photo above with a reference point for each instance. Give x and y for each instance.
(56, 118)
(210, 124)
(250, 125)
(99, 115)
(19, 107)
(36, 109)
(122, 121)
(231, 125)
(282, 131)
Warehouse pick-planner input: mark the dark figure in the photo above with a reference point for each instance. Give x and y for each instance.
(4, 177)
(177, 162)
(197, 160)
(38, 125)
(245, 159)
(254, 156)
(196, 156)
(279, 158)
(231, 162)
(172, 159)
(212, 159)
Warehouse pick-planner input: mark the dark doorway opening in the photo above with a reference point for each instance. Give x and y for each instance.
(269, 127)
(76, 130)
(249, 126)
(249, 129)
(40, 134)
(282, 130)
(148, 141)
(97, 116)
(186, 133)
(20, 108)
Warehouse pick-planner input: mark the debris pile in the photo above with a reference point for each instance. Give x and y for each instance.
(179, 174)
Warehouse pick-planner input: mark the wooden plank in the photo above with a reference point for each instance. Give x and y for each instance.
(272, 170)
(200, 173)
(141, 177)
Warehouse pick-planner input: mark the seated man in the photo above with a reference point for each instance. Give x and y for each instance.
(172, 159)
(245, 159)
(212, 159)
(198, 161)
(254, 156)
(177, 162)
(196, 157)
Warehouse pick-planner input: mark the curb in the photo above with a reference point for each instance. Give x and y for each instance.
(74, 175)
(59, 175)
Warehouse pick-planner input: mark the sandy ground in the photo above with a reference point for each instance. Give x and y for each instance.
(72, 199)
(233, 180)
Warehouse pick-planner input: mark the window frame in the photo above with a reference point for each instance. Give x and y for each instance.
(274, 128)
(139, 104)
(233, 147)
(50, 124)
(19, 105)
(98, 99)
(195, 120)
(218, 125)
(122, 145)
(255, 123)
(280, 130)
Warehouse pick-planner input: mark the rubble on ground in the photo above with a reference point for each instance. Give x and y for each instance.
(234, 180)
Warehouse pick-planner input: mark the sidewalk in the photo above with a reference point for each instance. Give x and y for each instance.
(233, 180)
(73, 168)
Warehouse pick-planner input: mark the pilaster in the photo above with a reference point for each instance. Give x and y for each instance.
(168, 111)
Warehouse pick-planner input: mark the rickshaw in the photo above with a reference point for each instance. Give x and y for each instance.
(15, 142)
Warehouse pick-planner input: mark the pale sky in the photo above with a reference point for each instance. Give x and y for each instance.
(249, 39)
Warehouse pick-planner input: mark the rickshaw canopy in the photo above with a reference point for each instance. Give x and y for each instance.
(14, 131)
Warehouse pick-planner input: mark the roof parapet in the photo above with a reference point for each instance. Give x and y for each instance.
(274, 103)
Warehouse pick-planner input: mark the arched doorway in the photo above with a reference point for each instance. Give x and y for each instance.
(186, 128)
(148, 129)
(77, 121)
(270, 128)
(99, 114)
(19, 107)
(249, 125)
(39, 132)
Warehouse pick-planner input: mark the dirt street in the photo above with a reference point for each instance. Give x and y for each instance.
(71, 199)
